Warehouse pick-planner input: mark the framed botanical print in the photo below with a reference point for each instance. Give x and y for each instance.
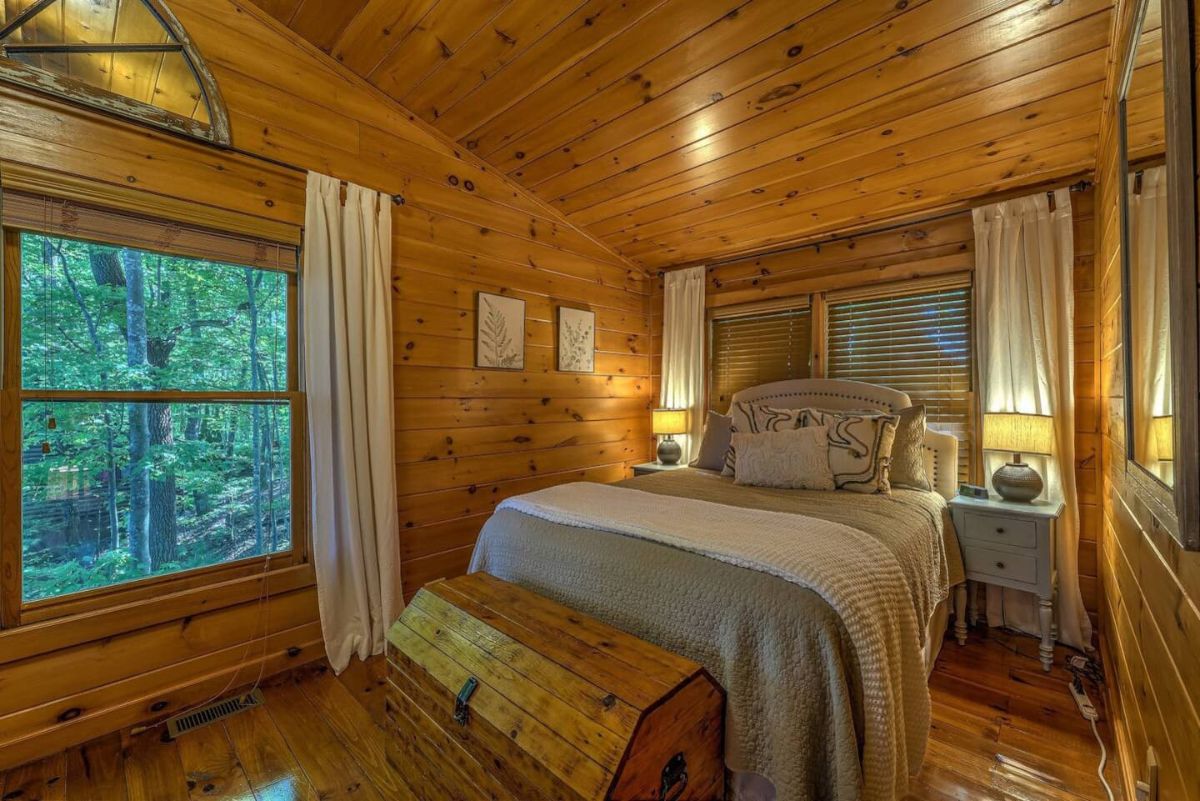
(499, 332)
(576, 340)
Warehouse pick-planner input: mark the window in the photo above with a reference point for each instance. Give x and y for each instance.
(757, 348)
(918, 342)
(155, 411)
(130, 58)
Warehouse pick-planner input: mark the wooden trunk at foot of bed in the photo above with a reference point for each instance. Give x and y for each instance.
(556, 706)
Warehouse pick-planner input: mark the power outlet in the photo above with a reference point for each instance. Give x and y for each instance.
(1079, 693)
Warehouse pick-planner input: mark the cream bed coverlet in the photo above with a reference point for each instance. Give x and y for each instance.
(808, 607)
(850, 570)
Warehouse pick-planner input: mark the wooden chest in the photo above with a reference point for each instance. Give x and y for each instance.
(498, 693)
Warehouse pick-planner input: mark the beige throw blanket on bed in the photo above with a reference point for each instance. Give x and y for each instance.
(856, 575)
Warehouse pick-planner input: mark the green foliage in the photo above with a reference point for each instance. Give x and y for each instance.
(215, 477)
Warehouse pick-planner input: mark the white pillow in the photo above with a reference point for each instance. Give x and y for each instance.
(749, 417)
(795, 458)
(860, 447)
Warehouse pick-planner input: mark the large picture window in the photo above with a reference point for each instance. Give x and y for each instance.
(153, 371)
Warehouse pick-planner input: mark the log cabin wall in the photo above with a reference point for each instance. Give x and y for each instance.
(920, 250)
(1151, 587)
(465, 438)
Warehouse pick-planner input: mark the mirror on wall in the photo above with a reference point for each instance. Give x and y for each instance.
(1158, 244)
(1150, 409)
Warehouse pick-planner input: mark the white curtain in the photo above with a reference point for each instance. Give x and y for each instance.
(347, 348)
(1150, 304)
(683, 351)
(1024, 256)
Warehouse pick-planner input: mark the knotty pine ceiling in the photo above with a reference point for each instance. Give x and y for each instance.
(686, 130)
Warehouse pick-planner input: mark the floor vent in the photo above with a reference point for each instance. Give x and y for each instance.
(211, 713)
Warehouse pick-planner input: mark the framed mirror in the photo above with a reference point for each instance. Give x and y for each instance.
(1159, 296)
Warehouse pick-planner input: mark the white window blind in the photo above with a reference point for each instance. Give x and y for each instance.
(756, 349)
(917, 343)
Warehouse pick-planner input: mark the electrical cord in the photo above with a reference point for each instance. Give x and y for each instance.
(1103, 760)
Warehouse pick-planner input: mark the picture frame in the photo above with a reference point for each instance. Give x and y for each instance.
(499, 332)
(576, 338)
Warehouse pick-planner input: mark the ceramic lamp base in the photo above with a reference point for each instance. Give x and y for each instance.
(1017, 482)
(669, 452)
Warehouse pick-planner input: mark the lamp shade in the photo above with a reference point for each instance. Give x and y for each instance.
(669, 421)
(1164, 437)
(1018, 433)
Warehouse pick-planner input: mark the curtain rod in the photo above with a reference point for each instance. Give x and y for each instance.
(1081, 185)
(397, 198)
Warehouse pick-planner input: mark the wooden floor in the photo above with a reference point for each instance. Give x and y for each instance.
(1002, 729)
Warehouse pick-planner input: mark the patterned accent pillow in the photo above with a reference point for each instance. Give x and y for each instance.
(794, 459)
(908, 451)
(755, 418)
(860, 447)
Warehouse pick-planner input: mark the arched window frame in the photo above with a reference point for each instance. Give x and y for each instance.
(216, 131)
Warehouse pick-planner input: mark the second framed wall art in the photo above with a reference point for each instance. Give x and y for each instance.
(576, 340)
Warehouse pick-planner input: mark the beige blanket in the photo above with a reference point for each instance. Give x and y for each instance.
(804, 687)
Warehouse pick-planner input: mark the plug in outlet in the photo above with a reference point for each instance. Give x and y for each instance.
(1079, 693)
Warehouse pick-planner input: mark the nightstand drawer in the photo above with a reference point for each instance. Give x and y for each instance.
(988, 563)
(999, 530)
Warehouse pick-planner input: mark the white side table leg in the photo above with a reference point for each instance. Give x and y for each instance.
(1046, 616)
(960, 613)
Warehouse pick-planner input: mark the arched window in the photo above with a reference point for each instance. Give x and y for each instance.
(126, 57)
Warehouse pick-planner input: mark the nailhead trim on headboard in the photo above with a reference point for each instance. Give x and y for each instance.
(863, 398)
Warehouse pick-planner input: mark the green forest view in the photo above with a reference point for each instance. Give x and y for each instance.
(116, 489)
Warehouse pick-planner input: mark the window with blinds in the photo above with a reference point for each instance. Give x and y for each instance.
(917, 343)
(756, 349)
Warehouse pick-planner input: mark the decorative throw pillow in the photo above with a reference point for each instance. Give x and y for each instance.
(792, 459)
(755, 418)
(715, 442)
(860, 447)
(908, 451)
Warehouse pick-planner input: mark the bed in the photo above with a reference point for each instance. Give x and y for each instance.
(774, 591)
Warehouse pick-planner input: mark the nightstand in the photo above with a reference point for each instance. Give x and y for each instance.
(655, 467)
(1010, 545)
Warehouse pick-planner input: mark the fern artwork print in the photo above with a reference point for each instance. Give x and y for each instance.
(576, 340)
(499, 332)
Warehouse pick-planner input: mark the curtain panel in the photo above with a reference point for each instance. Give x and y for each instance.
(683, 351)
(347, 326)
(1150, 311)
(1024, 255)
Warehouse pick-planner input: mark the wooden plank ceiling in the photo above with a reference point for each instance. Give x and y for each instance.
(689, 130)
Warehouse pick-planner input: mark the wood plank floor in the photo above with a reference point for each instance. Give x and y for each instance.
(1002, 731)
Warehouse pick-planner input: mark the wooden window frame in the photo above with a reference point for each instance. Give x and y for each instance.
(256, 570)
(918, 286)
(754, 309)
(818, 305)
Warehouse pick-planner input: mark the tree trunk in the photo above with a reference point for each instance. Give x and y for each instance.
(255, 413)
(139, 423)
(164, 521)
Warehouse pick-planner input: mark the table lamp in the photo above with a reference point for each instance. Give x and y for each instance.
(666, 424)
(1018, 433)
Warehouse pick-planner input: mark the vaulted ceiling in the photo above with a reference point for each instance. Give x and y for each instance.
(685, 130)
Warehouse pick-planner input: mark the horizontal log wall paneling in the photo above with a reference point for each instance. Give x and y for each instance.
(686, 130)
(1151, 587)
(465, 438)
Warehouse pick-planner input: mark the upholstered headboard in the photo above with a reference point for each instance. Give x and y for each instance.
(941, 450)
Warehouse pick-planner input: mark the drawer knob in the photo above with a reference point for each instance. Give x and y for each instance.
(999, 565)
(999, 530)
